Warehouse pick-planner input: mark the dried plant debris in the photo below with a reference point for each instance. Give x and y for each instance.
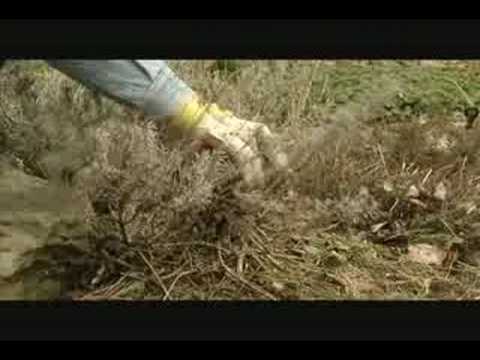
(382, 201)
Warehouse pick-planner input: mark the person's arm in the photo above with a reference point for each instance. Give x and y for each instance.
(149, 85)
(154, 88)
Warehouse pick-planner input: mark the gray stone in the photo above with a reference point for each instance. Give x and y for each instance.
(34, 217)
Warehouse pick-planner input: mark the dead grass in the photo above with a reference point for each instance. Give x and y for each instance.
(371, 147)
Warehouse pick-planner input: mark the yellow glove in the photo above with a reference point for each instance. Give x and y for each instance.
(244, 140)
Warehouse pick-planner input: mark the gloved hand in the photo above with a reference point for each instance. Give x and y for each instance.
(247, 142)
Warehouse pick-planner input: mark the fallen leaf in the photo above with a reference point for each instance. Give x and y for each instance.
(418, 203)
(443, 143)
(278, 286)
(426, 254)
(471, 209)
(99, 274)
(440, 192)
(422, 120)
(388, 187)
(292, 194)
(364, 192)
(413, 192)
(376, 228)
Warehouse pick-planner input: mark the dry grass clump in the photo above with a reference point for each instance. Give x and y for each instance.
(339, 227)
